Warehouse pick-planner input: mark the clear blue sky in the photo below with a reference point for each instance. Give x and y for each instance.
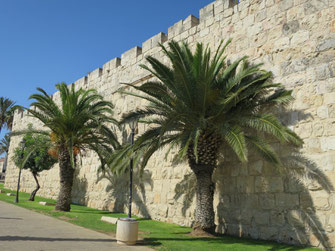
(43, 42)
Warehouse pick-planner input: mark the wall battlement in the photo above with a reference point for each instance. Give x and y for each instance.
(178, 32)
(295, 39)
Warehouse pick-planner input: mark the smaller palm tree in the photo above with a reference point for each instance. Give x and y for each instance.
(81, 122)
(4, 148)
(7, 108)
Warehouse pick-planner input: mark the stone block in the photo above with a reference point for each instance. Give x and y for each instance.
(295, 65)
(284, 5)
(44, 203)
(10, 194)
(269, 184)
(204, 32)
(146, 45)
(255, 168)
(269, 233)
(260, 16)
(80, 82)
(290, 27)
(255, 29)
(160, 38)
(266, 201)
(299, 37)
(331, 111)
(157, 198)
(281, 43)
(110, 220)
(130, 55)
(206, 12)
(245, 184)
(277, 218)
(329, 98)
(285, 200)
(326, 44)
(244, 201)
(219, 7)
(262, 218)
(332, 26)
(331, 143)
(322, 72)
(175, 30)
(190, 22)
(154, 41)
(111, 65)
(296, 218)
(322, 112)
(313, 6)
(94, 74)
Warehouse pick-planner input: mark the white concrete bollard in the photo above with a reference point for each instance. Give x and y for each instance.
(127, 231)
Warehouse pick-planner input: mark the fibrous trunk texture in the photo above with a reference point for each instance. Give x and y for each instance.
(204, 212)
(66, 173)
(203, 169)
(33, 194)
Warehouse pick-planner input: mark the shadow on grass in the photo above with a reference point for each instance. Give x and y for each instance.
(30, 238)
(225, 240)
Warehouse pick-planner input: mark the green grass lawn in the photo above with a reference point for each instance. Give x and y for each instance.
(158, 235)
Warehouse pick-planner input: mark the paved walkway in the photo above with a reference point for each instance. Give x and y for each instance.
(25, 230)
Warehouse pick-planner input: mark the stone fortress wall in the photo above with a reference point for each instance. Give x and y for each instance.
(293, 38)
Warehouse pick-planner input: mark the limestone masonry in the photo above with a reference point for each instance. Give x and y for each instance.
(293, 38)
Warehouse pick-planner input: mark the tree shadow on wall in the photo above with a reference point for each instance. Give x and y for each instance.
(258, 201)
(79, 189)
(261, 201)
(275, 204)
(187, 188)
(255, 206)
(118, 191)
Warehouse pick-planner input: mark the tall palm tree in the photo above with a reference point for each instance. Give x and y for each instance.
(7, 108)
(200, 104)
(79, 123)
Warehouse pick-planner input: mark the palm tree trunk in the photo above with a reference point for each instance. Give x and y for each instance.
(66, 173)
(204, 212)
(203, 169)
(32, 196)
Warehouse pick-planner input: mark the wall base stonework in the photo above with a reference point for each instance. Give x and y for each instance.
(295, 39)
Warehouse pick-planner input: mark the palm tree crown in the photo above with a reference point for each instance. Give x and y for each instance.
(201, 104)
(199, 98)
(7, 108)
(80, 121)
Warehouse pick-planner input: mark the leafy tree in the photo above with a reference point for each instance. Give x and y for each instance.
(38, 159)
(200, 105)
(7, 108)
(78, 124)
(4, 144)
